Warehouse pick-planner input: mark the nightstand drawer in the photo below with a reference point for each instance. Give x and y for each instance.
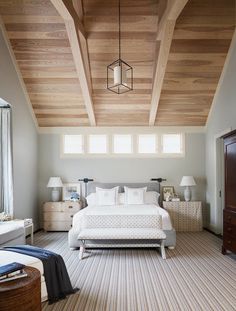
(57, 226)
(52, 206)
(57, 216)
(71, 206)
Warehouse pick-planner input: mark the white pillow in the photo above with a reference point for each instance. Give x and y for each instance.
(91, 199)
(151, 197)
(107, 196)
(121, 198)
(134, 195)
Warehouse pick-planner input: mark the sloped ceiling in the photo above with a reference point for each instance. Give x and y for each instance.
(41, 41)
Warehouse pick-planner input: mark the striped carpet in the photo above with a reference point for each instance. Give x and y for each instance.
(194, 277)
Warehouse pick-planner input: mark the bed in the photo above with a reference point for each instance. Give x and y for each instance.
(122, 219)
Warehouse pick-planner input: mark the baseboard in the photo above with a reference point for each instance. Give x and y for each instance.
(215, 234)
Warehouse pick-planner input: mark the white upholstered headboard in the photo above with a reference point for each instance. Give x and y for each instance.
(151, 186)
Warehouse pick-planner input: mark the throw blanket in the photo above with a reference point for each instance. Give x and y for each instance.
(56, 276)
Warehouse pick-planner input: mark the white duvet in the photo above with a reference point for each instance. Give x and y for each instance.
(145, 212)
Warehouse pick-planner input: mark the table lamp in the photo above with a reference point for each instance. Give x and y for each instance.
(187, 181)
(55, 183)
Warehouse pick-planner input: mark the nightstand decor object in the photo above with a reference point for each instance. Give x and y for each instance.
(187, 181)
(185, 216)
(56, 184)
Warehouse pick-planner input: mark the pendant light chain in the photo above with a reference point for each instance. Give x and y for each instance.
(119, 34)
(119, 71)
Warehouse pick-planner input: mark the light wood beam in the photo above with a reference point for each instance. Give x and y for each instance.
(78, 5)
(72, 23)
(165, 32)
(67, 11)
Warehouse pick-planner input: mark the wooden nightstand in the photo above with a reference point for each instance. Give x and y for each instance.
(185, 216)
(57, 216)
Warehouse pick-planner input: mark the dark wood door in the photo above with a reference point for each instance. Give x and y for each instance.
(229, 235)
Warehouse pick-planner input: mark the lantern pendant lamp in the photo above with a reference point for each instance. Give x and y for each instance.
(119, 73)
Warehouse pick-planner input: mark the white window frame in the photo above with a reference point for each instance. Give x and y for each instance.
(72, 155)
(173, 155)
(134, 145)
(132, 153)
(98, 153)
(147, 154)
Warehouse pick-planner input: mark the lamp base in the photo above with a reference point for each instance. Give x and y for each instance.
(187, 194)
(55, 195)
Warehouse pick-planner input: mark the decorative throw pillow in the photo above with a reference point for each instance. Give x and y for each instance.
(91, 199)
(107, 196)
(121, 198)
(134, 195)
(151, 197)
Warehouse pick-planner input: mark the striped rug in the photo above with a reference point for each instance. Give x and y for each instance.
(194, 277)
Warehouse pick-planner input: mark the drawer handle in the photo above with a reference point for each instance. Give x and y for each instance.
(229, 241)
(71, 225)
(71, 216)
(70, 206)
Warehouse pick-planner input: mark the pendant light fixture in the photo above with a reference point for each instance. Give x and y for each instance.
(119, 73)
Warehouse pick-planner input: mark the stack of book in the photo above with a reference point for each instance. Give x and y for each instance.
(12, 271)
(28, 221)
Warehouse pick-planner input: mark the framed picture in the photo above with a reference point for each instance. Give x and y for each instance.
(168, 192)
(70, 191)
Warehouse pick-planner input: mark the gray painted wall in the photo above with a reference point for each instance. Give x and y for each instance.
(25, 140)
(223, 117)
(122, 169)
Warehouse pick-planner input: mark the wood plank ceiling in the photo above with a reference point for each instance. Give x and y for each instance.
(40, 43)
(139, 20)
(39, 39)
(201, 40)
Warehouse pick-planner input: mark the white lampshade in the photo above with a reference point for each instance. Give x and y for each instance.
(55, 182)
(187, 181)
(118, 78)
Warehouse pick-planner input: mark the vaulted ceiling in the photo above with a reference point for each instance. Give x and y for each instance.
(62, 48)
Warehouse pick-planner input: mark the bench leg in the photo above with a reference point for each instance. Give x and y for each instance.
(82, 250)
(163, 252)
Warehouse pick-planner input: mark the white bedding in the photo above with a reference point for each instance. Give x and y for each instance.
(142, 210)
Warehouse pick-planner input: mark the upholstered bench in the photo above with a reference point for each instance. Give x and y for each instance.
(11, 233)
(121, 234)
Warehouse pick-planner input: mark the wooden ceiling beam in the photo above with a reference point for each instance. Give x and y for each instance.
(78, 6)
(67, 11)
(79, 51)
(164, 35)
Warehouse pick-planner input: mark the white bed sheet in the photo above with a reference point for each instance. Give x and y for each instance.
(139, 209)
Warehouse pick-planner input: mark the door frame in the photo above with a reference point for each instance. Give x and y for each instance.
(219, 179)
